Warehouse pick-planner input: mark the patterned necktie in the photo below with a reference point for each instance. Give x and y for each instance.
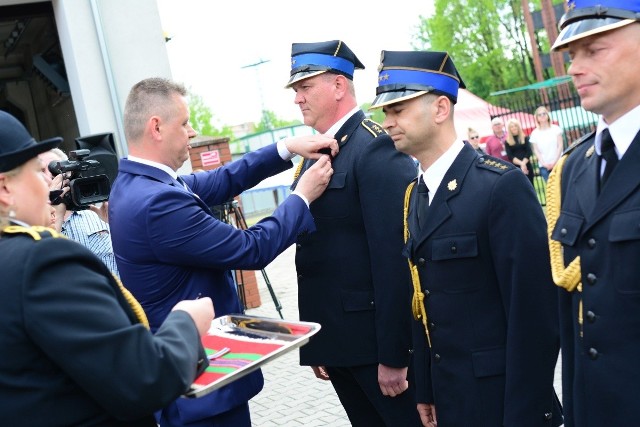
(609, 155)
(423, 202)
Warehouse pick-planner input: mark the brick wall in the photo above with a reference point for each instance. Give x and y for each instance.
(247, 283)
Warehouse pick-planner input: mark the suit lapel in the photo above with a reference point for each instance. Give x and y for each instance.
(624, 180)
(450, 187)
(585, 182)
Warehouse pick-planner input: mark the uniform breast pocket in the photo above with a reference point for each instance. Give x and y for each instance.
(567, 228)
(454, 256)
(624, 248)
(334, 202)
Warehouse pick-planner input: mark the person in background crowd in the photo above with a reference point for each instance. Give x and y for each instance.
(519, 149)
(486, 330)
(495, 144)
(474, 140)
(88, 227)
(76, 348)
(593, 209)
(546, 141)
(352, 278)
(168, 244)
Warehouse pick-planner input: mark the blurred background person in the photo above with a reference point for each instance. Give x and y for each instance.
(546, 141)
(76, 346)
(518, 148)
(88, 227)
(474, 140)
(495, 144)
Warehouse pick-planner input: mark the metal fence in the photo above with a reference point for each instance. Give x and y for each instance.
(563, 103)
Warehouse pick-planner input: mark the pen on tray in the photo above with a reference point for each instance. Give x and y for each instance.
(218, 354)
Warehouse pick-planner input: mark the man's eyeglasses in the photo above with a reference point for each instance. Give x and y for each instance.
(474, 137)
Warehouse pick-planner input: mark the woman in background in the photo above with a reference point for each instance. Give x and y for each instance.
(474, 140)
(546, 141)
(518, 148)
(76, 346)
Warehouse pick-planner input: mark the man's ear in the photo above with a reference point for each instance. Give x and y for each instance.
(153, 127)
(443, 108)
(341, 85)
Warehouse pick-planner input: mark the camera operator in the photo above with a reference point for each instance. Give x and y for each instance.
(88, 227)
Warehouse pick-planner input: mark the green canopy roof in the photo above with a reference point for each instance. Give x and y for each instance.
(534, 86)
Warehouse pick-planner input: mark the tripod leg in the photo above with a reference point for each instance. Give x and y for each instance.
(242, 224)
(276, 302)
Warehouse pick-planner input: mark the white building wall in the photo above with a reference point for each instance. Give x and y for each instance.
(108, 46)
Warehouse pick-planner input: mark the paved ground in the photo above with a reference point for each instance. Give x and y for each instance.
(292, 396)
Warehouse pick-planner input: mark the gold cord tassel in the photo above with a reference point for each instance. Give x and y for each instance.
(296, 174)
(417, 301)
(567, 278)
(133, 302)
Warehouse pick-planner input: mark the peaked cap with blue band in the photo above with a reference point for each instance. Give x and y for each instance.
(312, 59)
(408, 74)
(587, 17)
(17, 146)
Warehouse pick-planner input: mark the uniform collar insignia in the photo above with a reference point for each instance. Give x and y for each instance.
(590, 151)
(452, 185)
(344, 138)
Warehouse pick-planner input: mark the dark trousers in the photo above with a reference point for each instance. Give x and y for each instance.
(358, 390)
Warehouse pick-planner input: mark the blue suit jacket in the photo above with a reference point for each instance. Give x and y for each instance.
(484, 268)
(600, 375)
(169, 247)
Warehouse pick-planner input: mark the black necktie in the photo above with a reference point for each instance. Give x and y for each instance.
(423, 202)
(608, 154)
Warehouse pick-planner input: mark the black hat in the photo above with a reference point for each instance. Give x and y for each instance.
(408, 74)
(311, 59)
(16, 145)
(587, 17)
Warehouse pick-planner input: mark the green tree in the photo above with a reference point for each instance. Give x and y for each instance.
(487, 40)
(201, 118)
(376, 115)
(271, 121)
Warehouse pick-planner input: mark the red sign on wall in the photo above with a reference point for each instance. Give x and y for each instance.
(210, 158)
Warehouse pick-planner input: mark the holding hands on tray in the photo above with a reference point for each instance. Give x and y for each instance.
(200, 310)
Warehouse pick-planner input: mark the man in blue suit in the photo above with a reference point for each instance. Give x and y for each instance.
(168, 245)
(486, 332)
(594, 215)
(352, 278)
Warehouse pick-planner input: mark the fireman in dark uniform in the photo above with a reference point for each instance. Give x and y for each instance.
(486, 331)
(76, 348)
(593, 209)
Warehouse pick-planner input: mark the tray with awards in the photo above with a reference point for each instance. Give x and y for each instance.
(237, 345)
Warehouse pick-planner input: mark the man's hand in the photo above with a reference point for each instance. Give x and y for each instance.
(200, 310)
(320, 372)
(102, 211)
(427, 413)
(309, 146)
(392, 381)
(315, 179)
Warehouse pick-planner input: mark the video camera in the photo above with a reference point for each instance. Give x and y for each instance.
(85, 187)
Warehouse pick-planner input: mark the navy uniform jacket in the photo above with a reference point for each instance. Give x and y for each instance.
(169, 247)
(73, 352)
(601, 377)
(352, 278)
(482, 259)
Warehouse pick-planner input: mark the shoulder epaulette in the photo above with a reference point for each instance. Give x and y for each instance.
(493, 164)
(373, 127)
(36, 232)
(578, 142)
